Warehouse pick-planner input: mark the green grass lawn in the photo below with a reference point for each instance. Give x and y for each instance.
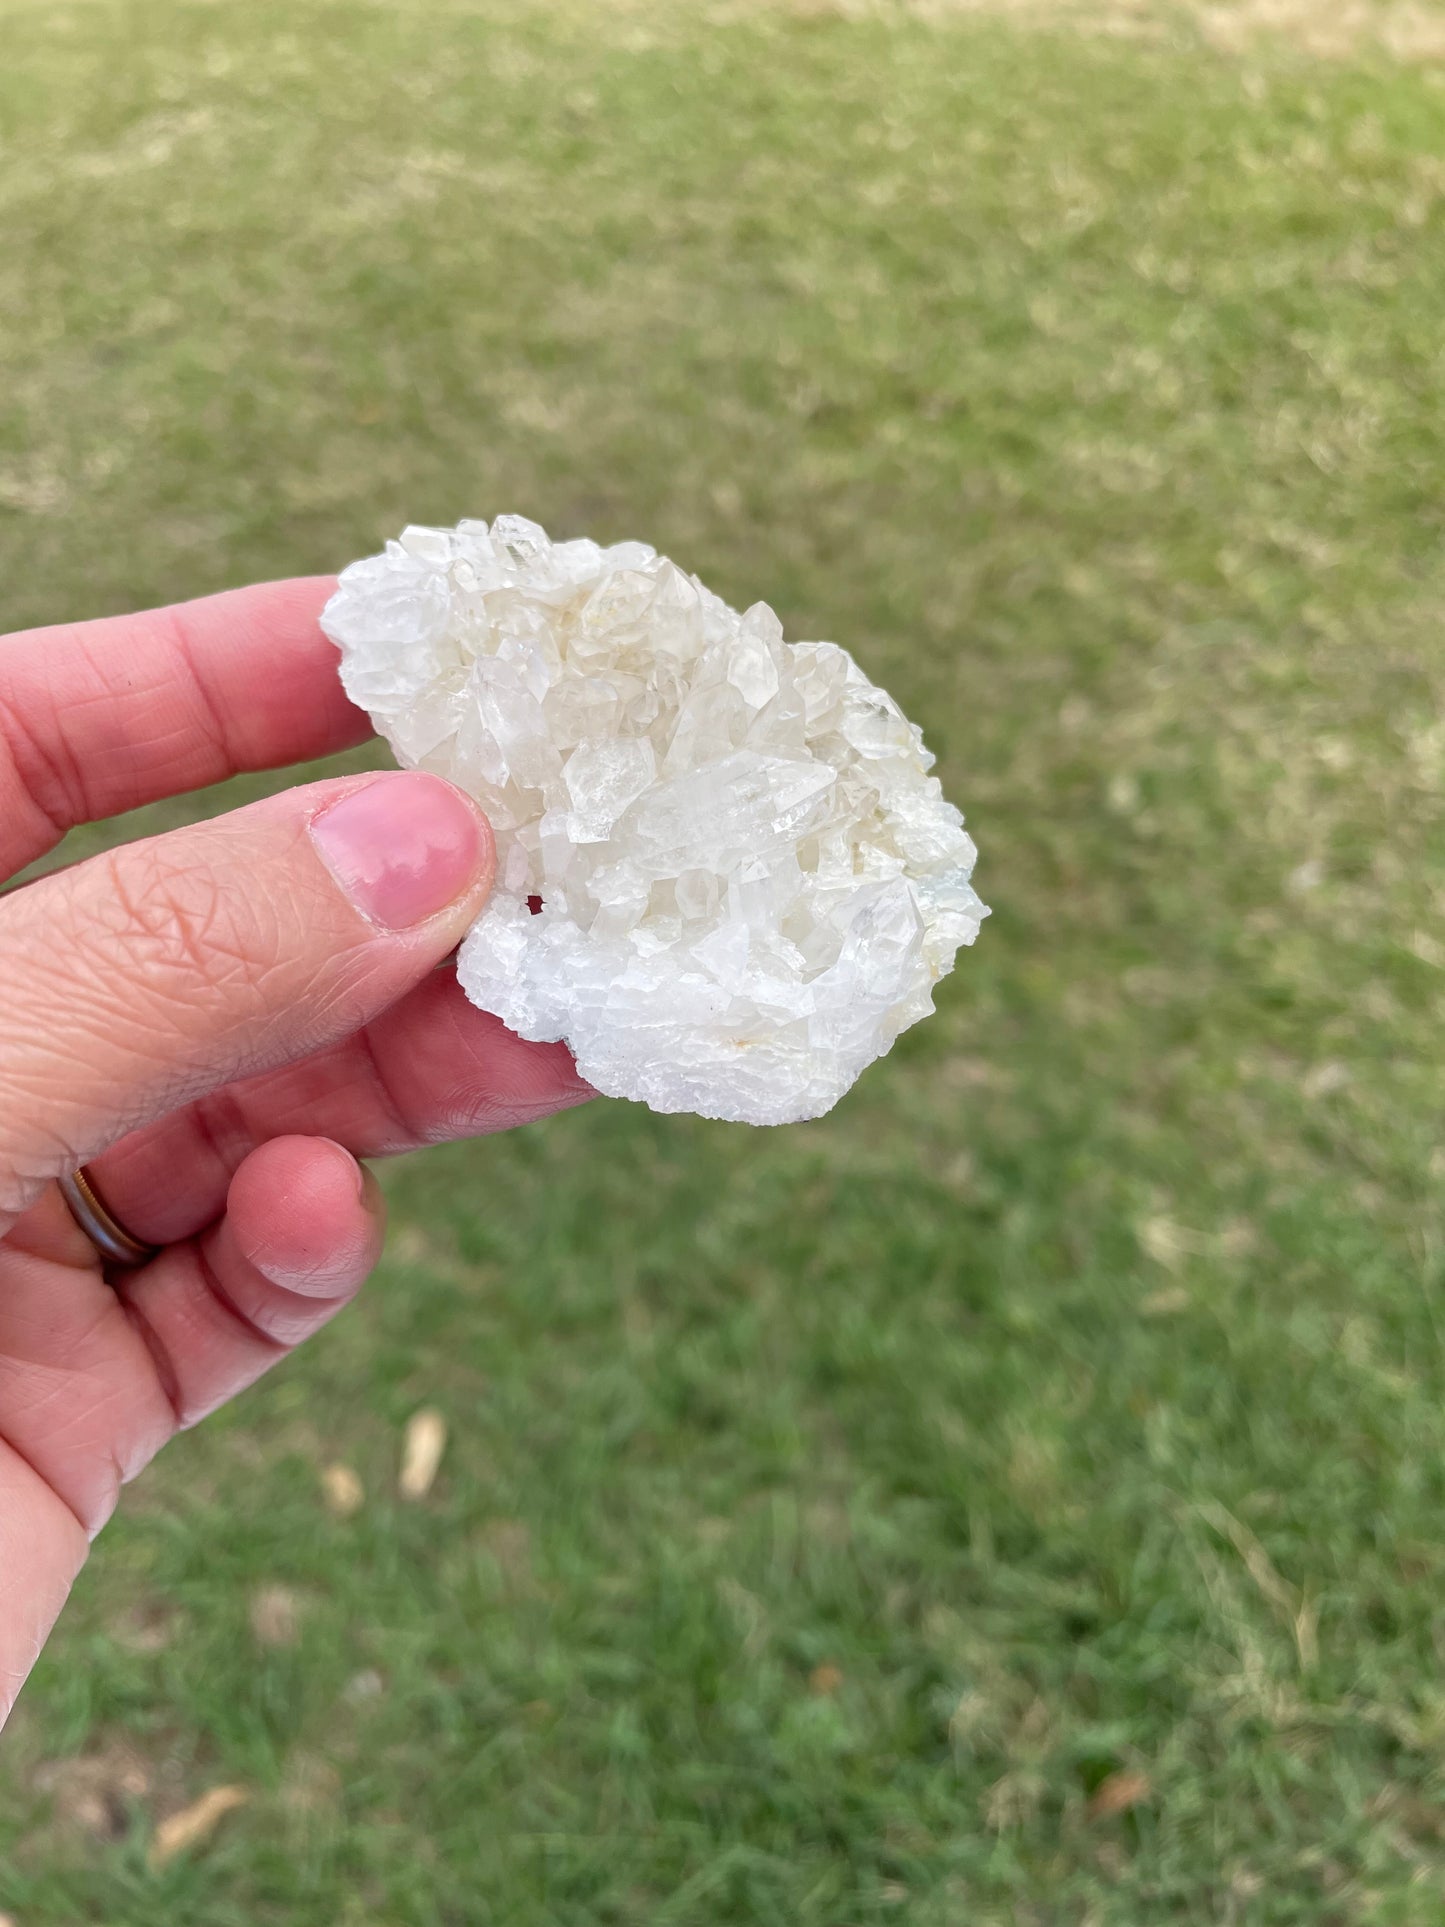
(1016, 1498)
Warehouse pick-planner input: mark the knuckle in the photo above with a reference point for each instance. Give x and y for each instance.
(179, 928)
(172, 915)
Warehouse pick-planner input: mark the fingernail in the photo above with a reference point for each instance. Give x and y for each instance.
(402, 848)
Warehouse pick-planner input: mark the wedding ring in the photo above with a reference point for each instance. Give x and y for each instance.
(105, 1232)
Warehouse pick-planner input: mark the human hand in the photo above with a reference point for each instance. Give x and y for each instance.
(217, 1023)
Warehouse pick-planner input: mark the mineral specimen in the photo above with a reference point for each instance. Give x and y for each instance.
(725, 876)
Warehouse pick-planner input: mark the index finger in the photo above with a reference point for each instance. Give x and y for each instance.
(99, 717)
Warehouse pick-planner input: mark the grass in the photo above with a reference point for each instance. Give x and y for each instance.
(1016, 1498)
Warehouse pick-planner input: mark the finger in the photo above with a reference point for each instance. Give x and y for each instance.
(96, 1377)
(97, 717)
(433, 1067)
(139, 980)
(301, 1233)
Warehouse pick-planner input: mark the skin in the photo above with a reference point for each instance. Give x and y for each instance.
(218, 1023)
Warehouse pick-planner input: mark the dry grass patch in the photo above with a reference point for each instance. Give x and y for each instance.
(1408, 30)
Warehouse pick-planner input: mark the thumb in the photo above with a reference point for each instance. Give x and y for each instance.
(144, 978)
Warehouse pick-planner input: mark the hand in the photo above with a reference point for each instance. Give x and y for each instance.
(217, 1023)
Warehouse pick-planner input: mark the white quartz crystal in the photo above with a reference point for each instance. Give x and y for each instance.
(724, 875)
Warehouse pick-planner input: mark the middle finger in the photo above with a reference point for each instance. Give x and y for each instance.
(430, 1069)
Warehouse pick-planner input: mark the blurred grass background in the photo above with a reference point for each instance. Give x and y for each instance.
(1016, 1497)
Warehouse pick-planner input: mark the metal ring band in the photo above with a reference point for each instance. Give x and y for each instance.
(106, 1233)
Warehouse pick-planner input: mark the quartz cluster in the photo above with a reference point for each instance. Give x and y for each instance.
(725, 876)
